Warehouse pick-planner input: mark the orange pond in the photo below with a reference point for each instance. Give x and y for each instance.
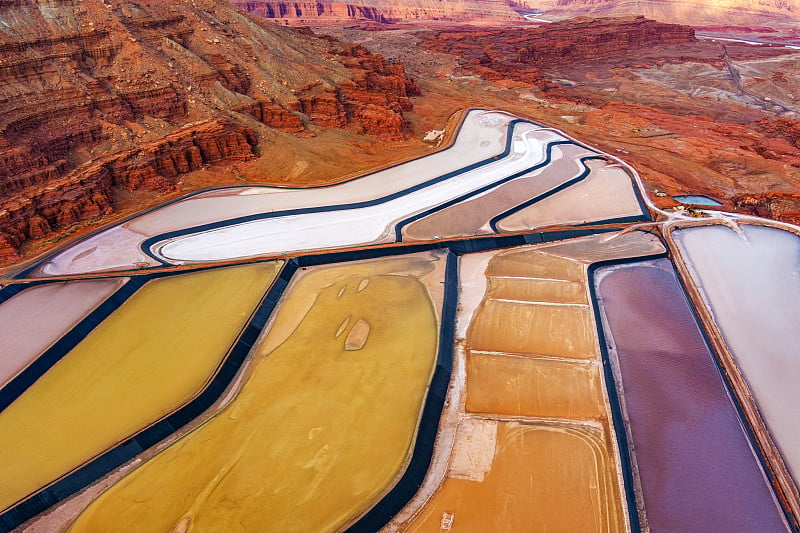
(542, 478)
(519, 386)
(534, 447)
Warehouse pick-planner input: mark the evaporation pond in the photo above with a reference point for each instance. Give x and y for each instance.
(149, 357)
(533, 478)
(322, 425)
(750, 280)
(697, 199)
(37, 317)
(695, 465)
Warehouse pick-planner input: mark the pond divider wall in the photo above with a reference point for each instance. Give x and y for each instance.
(124, 452)
(626, 452)
(17, 386)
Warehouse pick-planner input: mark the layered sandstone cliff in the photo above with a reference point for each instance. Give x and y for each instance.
(99, 94)
(778, 206)
(322, 12)
(684, 11)
(522, 53)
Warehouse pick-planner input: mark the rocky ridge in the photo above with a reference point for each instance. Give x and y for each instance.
(693, 12)
(693, 116)
(327, 12)
(101, 94)
(522, 53)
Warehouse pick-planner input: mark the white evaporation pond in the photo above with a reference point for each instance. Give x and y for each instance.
(751, 283)
(483, 134)
(117, 248)
(352, 227)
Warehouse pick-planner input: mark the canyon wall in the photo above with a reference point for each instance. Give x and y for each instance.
(521, 53)
(694, 12)
(384, 11)
(99, 94)
(684, 11)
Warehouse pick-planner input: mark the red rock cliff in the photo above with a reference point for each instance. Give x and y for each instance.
(521, 53)
(87, 191)
(167, 87)
(683, 11)
(384, 11)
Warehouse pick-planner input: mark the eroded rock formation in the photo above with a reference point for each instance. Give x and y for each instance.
(98, 94)
(521, 53)
(778, 206)
(684, 11)
(383, 11)
(87, 191)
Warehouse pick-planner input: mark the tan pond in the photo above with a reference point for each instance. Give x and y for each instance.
(324, 421)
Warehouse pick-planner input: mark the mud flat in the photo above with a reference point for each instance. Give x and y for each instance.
(749, 281)
(34, 319)
(696, 468)
(149, 357)
(324, 422)
(482, 135)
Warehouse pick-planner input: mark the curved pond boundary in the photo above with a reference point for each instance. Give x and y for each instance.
(150, 243)
(644, 217)
(406, 487)
(84, 475)
(611, 386)
(555, 190)
(398, 231)
(124, 452)
(147, 244)
(451, 141)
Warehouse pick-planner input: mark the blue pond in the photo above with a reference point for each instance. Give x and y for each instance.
(696, 199)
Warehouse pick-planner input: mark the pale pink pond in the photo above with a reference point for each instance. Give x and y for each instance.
(607, 193)
(750, 281)
(31, 321)
(472, 217)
